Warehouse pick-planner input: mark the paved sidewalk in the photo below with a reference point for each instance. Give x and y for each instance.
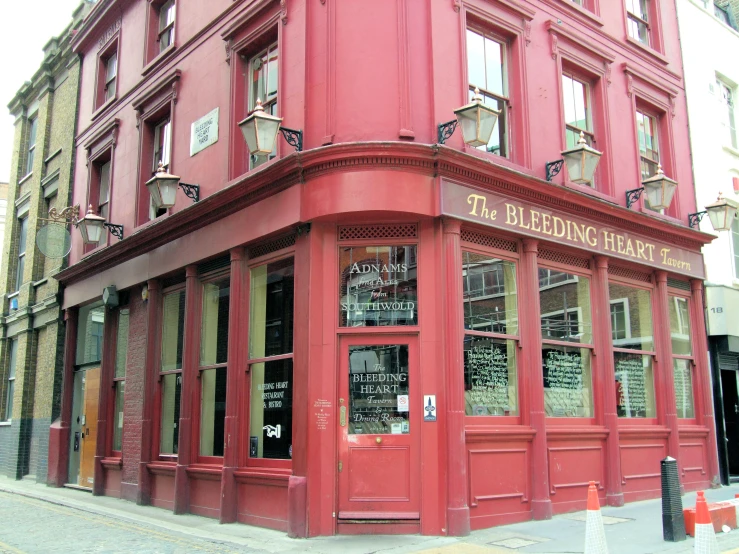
(633, 529)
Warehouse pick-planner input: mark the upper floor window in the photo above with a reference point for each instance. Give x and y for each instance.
(162, 140)
(577, 110)
(166, 25)
(22, 233)
(487, 71)
(32, 128)
(735, 245)
(648, 143)
(638, 20)
(111, 76)
(722, 13)
(726, 97)
(263, 80)
(103, 200)
(10, 388)
(170, 371)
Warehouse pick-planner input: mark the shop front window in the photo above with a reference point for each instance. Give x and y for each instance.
(378, 286)
(119, 378)
(566, 319)
(271, 359)
(170, 375)
(90, 333)
(682, 355)
(491, 335)
(213, 368)
(633, 350)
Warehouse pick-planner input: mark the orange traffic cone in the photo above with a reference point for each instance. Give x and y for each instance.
(595, 535)
(705, 536)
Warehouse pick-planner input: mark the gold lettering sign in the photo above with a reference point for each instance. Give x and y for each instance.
(527, 219)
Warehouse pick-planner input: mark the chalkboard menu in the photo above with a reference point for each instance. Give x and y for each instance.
(378, 390)
(566, 388)
(683, 388)
(486, 374)
(632, 396)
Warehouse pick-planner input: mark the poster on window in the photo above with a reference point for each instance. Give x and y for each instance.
(487, 377)
(567, 382)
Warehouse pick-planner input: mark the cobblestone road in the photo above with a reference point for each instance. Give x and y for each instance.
(29, 526)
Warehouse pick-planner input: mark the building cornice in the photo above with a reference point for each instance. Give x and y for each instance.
(431, 160)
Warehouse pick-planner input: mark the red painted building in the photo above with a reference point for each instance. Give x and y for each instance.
(381, 333)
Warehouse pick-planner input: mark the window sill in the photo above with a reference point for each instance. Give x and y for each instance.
(577, 11)
(6, 423)
(206, 472)
(25, 178)
(13, 294)
(112, 463)
(262, 475)
(585, 189)
(162, 468)
(495, 159)
(648, 50)
(731, 150)
(158, 59)
(643, 209)
(104, 106)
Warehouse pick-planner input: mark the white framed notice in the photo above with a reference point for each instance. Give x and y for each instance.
(204, 132)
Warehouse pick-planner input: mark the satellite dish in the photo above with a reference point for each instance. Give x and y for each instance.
(54, 240)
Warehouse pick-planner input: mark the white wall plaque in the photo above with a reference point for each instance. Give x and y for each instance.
(204, 132)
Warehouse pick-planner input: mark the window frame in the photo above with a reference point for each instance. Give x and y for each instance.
(513, 258)
(20, 265)
(726, 96)
(31, 147)
(735, 247)
(640, 20)
(109, 50)
(673, 295)
(169, 27)
(153, 52)
(654, 120)
(115, 380)
(270, 105)
(9, 392)
(248, 461)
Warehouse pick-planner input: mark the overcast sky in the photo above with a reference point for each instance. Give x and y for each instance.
(26, 27)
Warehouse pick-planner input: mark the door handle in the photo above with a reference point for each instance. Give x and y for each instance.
(378, 440)
(342, 416)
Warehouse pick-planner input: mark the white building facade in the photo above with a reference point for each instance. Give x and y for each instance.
(708, 33)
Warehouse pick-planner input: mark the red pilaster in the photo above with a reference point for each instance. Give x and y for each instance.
(190, 358)
(107, 371)
(154, 290)
(458, 512)
(704, 410)
(529, 309)
(58, 464)
(233, 386)
(606, 406)
(663, 343)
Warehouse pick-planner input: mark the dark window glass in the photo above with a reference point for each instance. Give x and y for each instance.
(272, 299)
(567, 381)
(214, 329)
(212, 411)
(490, 381)
(173, 330)
(271, 409)
(171, 393)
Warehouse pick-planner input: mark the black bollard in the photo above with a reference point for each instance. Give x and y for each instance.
(673, 522)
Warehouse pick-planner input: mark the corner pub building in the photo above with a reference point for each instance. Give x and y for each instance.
(379, 333)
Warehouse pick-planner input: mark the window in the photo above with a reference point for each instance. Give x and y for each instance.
(682, 358)
(263, 75)
(735, 246)
(170, 373)
(271, 359)
(487, 71)
(577, 110)
(103, 200)
(22, 236)
(119, 377)
(633, 350)
(567, 343)
(32, 129)
(648, 143)
(12, 360)
(726, 98)
(722, 13)
(90, 334)
(213, 365)
(491, 335)
(111, 74)
(166, 25)
(162, 141)
(638, 20)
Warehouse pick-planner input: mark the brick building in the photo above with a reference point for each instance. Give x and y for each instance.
(32, 342)
(376, 326)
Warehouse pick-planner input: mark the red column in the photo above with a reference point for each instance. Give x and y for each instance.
(154, 290)
(236, 366)
(529, 310)
(663, 344)
(606, 407)
(190, 359)
(703, 380)
(107, 372)
(58, 464)
(458, 512)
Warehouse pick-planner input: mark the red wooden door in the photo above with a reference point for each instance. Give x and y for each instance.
(379, 428)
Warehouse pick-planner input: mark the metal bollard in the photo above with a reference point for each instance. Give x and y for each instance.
(673, 523)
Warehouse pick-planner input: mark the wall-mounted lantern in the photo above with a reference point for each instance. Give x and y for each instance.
(581, 161)
(476, 119)
(721, 213)
(91, 228)
(163, 188)
(260, 132)
(659, 188)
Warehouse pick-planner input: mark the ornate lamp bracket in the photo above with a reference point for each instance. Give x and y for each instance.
(553, 169)
(293, 137)
(633, 195)
(115, 230)
(446, 130)
(695, 219)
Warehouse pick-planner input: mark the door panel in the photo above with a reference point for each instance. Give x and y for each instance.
(379, 430)
(89, 428)
(731, 417)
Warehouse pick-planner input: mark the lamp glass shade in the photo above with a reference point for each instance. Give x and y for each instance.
(722, 213)
(91, 227)
(477, 122)
(659, 190)
(581, 161)
(260, 132)
(163, 188)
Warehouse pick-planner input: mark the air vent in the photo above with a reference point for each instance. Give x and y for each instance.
(490, 241)
(678, 284)
(272, 246)
(392, 231)
(214, 264)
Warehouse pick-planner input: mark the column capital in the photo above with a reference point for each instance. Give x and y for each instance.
(191, 271)
(601, 262)
(153, 284)
(696, 285)
(451, 225)
(660, 276)
(531, 246)
(70, 313)
(237, 254)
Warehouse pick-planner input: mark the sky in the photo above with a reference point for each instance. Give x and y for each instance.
(26, 27)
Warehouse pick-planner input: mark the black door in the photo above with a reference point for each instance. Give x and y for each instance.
(731, 418)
